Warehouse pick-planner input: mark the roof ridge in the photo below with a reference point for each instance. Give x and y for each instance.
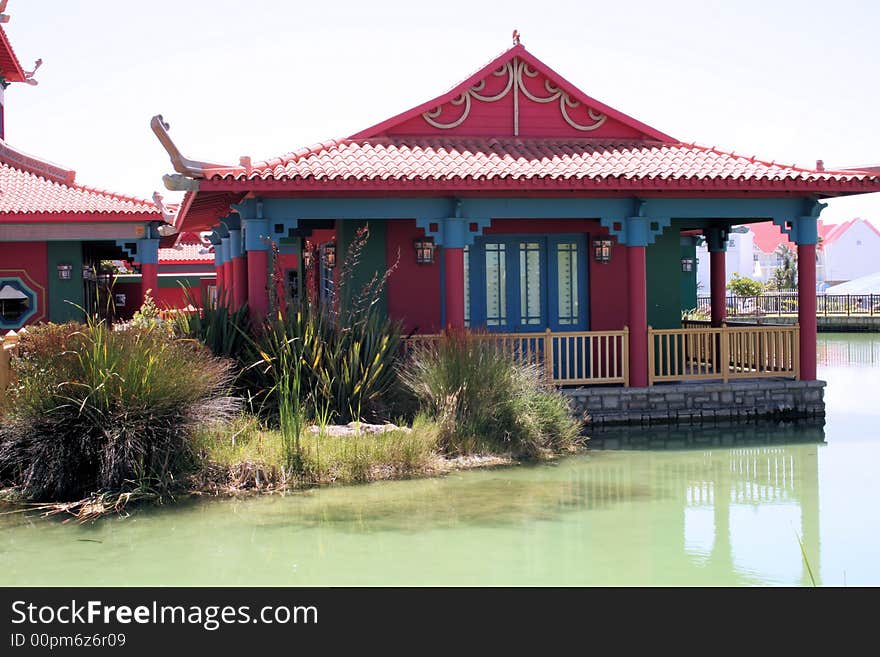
(37, 166)
(572, 92)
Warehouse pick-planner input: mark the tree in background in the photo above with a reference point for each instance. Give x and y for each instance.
(743, 286)
(785, 275)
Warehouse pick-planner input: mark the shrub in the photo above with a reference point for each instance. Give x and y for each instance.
(743, 286)
(347, 367)
(95, 410)
(484, 400)
(345, 351)
(219, 326)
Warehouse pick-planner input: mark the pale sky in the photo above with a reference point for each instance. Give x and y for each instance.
(789, 80)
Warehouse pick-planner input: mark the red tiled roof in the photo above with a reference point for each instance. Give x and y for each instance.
(452, 159)
(10, 67)
(30, 186)
(188, 250)
(768, 236)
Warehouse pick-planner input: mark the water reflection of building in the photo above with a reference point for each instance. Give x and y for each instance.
(735, 513)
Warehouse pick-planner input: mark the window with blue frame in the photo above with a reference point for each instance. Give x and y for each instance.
(526, 283)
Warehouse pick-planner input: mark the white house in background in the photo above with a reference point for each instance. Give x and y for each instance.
(851, 250)
(848, 250)
(738, 259)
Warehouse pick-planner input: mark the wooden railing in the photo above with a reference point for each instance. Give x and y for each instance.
(568, 358)
(692, 354)
(8, 343)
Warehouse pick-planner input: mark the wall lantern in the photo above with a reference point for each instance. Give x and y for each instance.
(330, 255)
(424, 250)
(105, 278)
(308, 258)
(88, 273)
(602, 250)
(687, 264)
(65, 272)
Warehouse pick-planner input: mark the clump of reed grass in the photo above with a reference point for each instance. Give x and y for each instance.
(99, 411)
(252, 456)
(486, 401)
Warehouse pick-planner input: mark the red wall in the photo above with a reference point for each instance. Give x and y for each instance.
(28, 261)
(413, 292)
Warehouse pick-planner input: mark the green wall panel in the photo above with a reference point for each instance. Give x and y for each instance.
(689, 279)
(60, 292)
(664, 284)
(372, 260)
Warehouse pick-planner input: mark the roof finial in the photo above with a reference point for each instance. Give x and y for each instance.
(515, 37)
(29, 75)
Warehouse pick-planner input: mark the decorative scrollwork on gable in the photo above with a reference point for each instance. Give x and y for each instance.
(516, 83)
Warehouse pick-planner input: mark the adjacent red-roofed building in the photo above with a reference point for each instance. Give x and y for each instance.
(55, 232)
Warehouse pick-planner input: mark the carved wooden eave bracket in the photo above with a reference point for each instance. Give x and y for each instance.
(170, 218)
(186, 168)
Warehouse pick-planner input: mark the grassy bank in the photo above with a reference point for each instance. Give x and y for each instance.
(247, 456)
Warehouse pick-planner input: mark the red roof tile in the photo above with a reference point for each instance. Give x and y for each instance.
(424, 159)
(29, 185)
(189, 249)
(768, 236)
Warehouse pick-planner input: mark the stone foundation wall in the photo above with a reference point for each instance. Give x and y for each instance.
(696, 402)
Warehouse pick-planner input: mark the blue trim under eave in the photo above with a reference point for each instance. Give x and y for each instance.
(472, 209)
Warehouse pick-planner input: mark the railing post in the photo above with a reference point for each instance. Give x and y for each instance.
(724, 356)
(548, 355)
(651, 365)
(796, 364)
(624, 356)
(847, 305)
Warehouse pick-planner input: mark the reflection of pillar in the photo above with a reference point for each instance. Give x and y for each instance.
(638, 316)
(722, 552)
(806, 465)
(454, 282)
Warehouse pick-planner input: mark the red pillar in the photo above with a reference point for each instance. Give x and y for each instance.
(221, 284)
(239, 281)
(807, 310)
(257, 275)
(718, 285)
(638, 317)
(149, 279)
(229, 280)
(454, 263)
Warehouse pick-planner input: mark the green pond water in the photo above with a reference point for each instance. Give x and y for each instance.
(706, 506)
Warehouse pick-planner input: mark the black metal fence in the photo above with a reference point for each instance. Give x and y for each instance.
(786, 303)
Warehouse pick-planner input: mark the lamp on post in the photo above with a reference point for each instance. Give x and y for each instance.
(330, 255)
(602, 250)
(424, 250)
